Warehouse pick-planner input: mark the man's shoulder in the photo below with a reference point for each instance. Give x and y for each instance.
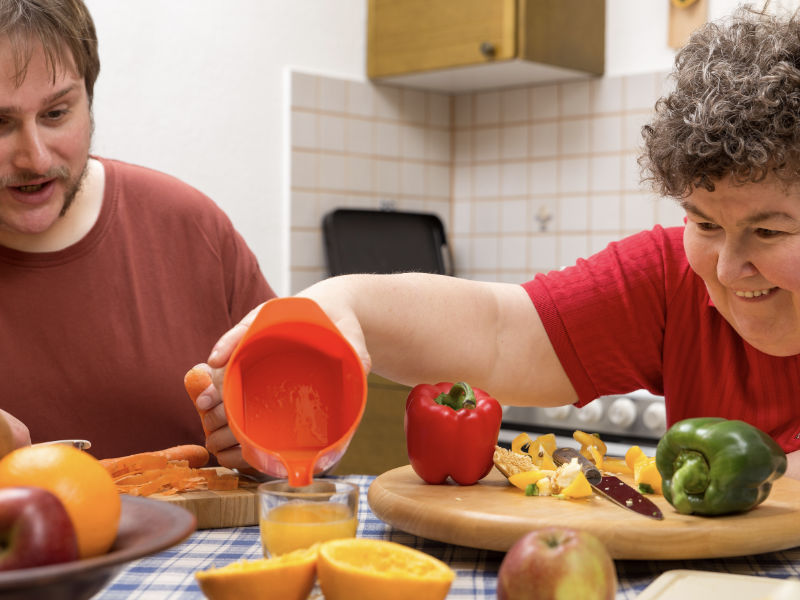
(148, 188)
(132, 177)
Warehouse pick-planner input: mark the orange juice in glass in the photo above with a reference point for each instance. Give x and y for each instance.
(298, 517)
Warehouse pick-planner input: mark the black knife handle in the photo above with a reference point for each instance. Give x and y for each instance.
(562, 456)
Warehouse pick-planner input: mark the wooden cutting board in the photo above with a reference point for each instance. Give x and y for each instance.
(492, 515)
(213, 510)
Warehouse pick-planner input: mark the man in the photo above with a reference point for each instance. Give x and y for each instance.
(116, 279)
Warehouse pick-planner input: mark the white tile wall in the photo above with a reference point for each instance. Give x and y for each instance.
(525, 179)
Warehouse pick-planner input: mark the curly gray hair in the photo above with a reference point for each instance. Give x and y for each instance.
(734, 110)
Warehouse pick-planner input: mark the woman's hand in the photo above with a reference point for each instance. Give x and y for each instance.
(220, 440)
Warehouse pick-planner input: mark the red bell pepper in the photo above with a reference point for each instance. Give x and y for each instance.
(451, 430)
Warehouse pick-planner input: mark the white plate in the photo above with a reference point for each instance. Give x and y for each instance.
(702, 585)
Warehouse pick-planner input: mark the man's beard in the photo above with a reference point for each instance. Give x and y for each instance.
(71, 185)
(72, 188)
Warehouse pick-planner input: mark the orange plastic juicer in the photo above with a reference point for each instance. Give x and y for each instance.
(294, 391)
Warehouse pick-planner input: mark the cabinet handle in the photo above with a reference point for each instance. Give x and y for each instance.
(487, 49)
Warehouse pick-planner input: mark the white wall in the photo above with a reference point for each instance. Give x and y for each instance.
(197, 88)
(636, 31)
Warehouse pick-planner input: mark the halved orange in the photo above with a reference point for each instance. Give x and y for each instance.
(352, 568)
(289, 576)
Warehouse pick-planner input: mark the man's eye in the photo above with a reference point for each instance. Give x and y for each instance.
(55, 115)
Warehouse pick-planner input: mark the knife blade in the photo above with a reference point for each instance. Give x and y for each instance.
(79, 444)
(609, 486)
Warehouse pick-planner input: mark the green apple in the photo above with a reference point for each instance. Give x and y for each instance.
(557, 563)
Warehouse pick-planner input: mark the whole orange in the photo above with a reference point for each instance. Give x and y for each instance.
(80, 482)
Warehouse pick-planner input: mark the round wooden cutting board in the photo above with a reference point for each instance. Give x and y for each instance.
(492, 515)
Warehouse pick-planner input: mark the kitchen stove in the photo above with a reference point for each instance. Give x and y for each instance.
(621, 420)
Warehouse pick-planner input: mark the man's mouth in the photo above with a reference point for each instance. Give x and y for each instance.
(29, 189)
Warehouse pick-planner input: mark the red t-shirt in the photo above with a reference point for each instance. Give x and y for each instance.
(635, 316)
(97, 337)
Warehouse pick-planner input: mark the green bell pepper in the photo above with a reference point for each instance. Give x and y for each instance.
(715, 466)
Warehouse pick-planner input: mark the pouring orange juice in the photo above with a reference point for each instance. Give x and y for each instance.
(294, 393)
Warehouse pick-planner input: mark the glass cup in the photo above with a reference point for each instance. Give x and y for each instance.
(291, 518)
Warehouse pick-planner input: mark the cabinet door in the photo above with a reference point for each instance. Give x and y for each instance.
(563, 33)
(405, 36)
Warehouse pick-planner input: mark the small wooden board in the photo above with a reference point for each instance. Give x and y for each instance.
(492, 515)
(214, 510)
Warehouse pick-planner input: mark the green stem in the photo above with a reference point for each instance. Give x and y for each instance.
(460, 396)
(690, 477)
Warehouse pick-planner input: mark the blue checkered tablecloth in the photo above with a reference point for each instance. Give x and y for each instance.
(170, 574)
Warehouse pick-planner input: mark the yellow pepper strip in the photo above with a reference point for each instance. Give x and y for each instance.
(598, 458)
(633, 454)
(548, 442)
(587, 440)
(579, 488)
(545, 461)
(616, 465)
(645, 472)
(524, 478)
(518, 442)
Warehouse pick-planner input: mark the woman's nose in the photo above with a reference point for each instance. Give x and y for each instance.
(734, 262)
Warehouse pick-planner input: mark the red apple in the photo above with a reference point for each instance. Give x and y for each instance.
(35, 529)
(557, 562)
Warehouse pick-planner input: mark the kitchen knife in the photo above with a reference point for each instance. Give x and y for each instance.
(609, 486)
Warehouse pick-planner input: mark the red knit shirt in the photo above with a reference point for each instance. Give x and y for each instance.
(636, 316)
(96, 338)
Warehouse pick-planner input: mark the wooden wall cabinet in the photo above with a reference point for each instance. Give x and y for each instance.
(466, 45)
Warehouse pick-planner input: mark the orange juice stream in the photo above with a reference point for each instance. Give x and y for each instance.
(294, 410)
(302, 524)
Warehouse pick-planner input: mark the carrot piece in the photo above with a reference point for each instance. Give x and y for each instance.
(196, 455)
(196, 380)
(134, 463)
(166, 472)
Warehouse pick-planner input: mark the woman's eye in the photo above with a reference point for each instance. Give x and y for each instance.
(706, 226)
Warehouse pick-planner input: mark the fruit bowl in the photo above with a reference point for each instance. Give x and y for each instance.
(146, 527)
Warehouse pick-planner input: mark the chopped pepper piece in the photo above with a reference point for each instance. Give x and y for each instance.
(524, 479)
(616, 465)
(633, 454)
(579, 488)
(521, 443)
(646, 473)
(589, 440)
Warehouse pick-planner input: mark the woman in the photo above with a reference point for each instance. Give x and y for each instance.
(707, 314)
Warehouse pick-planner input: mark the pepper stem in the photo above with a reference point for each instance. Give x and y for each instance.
(460, 396)
(690, 477)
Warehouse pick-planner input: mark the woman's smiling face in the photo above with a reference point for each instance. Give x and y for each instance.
(744, 242)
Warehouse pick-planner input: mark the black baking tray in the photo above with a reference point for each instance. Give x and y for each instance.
(380, 241)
